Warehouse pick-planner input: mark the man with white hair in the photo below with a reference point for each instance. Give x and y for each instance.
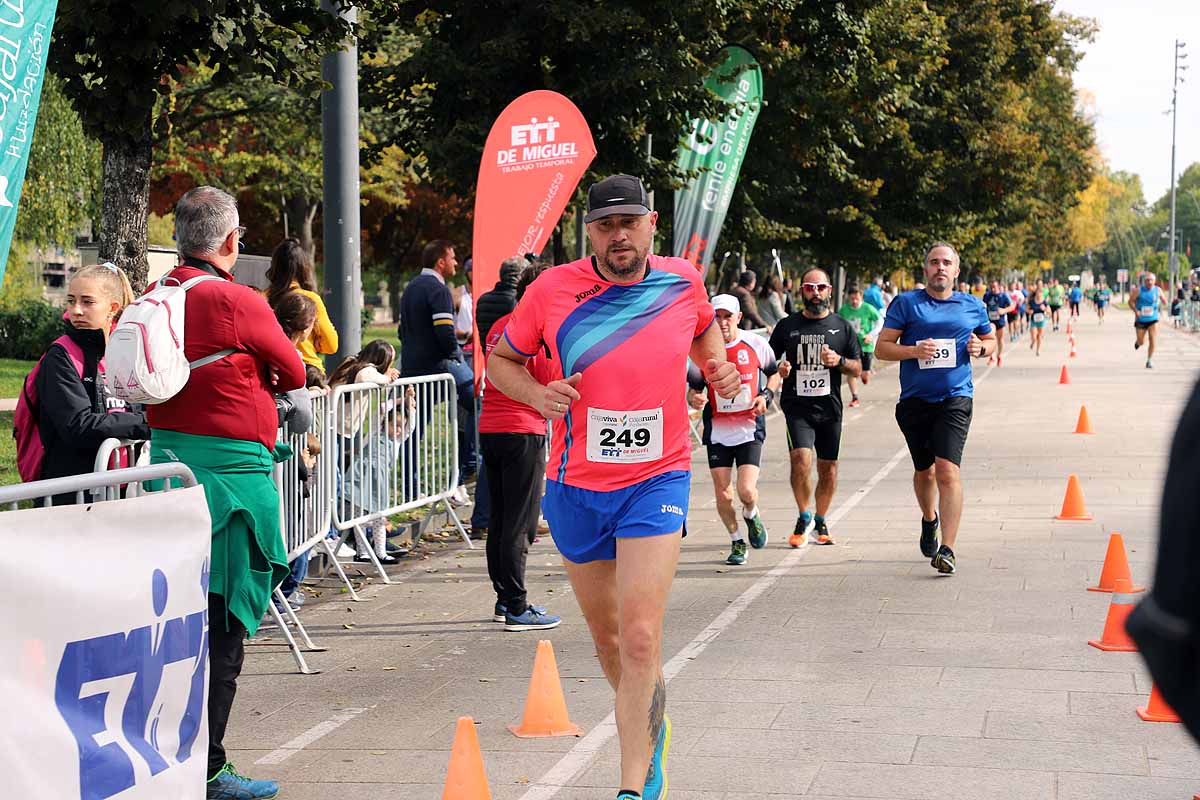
(223, 426)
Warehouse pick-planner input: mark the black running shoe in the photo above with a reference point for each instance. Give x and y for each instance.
(929, 537)
(943, 562)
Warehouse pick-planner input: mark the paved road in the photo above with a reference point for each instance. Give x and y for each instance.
(842, 672)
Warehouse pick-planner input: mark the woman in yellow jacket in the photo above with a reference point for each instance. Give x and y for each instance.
(292, 271)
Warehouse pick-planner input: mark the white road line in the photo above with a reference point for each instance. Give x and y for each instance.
(580, 757)
(289, 749)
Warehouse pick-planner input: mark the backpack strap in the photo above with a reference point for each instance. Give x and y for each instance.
(206, 360)
(198, 279)
(74, 351)
(217, 356)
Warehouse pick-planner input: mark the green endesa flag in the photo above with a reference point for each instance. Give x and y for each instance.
(24, 41)
(718, 149)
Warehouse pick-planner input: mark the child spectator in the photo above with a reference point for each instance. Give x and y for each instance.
(373, 364)
(296, 315)
(75, 413)
(372, 478)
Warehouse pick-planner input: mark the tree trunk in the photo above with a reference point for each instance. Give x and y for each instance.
(301, 211)
(125, 206)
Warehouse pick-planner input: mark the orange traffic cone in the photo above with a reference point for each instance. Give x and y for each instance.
(1073, 507)
(545, 706)
(1116, 566)
(1114, 638)
(1084, 424)
(1157, 709)
(465, 778)
(1072, 347)
(1063, 377)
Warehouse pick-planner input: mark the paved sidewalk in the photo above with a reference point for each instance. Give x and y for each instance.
(843, 672)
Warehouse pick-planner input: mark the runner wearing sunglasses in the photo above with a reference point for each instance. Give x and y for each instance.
(815, 348)
(934, 333)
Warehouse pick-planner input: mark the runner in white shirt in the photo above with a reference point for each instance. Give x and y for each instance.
(734, 430)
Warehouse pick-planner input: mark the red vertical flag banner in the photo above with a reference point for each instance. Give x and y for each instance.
(538, 149)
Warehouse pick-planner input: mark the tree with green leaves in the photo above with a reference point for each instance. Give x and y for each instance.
(119, 60)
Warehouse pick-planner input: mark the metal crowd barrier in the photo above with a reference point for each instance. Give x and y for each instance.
(94, 487)
(1190, 316)
(383, 450)
(397, 449)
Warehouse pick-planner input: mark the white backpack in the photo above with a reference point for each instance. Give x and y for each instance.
(144, 357)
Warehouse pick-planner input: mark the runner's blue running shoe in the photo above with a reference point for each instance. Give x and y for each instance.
(656, 776)
(229, 785)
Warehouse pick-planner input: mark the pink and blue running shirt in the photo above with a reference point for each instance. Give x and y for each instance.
(631, 344)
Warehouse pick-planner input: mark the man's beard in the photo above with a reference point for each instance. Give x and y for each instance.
(815, 305)
(636, 265)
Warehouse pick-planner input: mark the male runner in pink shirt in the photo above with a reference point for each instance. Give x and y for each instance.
(619, 328)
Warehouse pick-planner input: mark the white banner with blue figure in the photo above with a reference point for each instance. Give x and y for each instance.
(104, 649)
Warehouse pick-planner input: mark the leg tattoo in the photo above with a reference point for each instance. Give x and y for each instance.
(658, 707)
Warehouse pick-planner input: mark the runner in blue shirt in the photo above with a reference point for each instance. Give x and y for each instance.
(999, 305)
(933, 333)
(1073, 297)
(1145, 301)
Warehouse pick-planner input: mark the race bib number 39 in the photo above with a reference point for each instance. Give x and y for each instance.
(624, 437)
(945, 357)
(812, 382)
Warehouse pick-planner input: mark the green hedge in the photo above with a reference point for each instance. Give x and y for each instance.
(28, 327)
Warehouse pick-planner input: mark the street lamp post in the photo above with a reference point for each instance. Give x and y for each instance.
(1173, 257)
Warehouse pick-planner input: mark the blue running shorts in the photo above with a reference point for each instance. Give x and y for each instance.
(586, 524)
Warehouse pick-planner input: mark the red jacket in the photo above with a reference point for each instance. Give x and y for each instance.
(232, 398)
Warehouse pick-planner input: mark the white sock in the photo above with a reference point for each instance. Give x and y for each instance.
(379, 539)
(735, 535)
(751, 512)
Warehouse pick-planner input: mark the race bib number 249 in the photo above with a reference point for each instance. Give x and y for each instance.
(624, 437)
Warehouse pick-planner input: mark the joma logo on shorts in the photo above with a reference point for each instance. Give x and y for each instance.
(667, 508)
(579, 298)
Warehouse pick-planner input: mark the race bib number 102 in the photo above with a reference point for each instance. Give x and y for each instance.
(812, 382)
(624, 437)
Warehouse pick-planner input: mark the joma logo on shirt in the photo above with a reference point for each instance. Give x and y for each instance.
(579, 298)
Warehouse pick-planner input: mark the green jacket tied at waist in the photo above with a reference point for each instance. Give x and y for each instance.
(248, 556)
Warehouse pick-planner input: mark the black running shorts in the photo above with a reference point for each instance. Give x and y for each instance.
(866, 361)
(1137, 323)
(723, 455)
(934, 430)
(822, 435)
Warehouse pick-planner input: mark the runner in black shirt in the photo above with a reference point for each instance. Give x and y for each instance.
(814, 348)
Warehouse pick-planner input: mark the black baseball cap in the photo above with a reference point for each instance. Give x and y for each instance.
(617, 194)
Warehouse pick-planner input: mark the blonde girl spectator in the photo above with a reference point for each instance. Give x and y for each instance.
(75, 413)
